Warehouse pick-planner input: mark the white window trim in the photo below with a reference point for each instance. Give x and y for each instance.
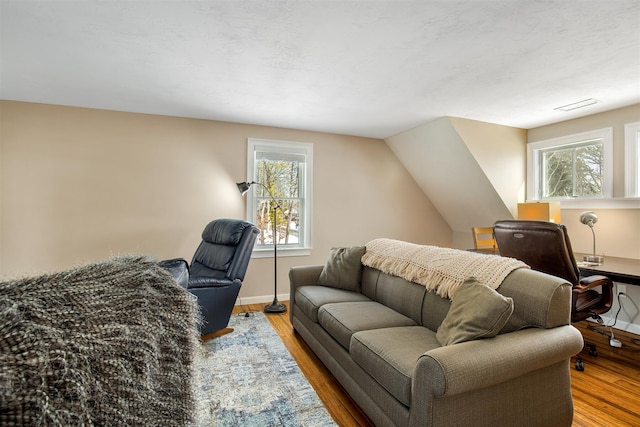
(533, 165)
(632, 164)
(288, 147)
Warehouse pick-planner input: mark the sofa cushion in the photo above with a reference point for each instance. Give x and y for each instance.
(310, 298)
(343, 269)
(477, 311)
(341, 320)
(401, 295)
(389, 355)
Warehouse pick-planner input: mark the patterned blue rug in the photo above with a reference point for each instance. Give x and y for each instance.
(248, 378)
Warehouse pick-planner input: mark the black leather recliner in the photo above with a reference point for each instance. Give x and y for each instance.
(218, 268)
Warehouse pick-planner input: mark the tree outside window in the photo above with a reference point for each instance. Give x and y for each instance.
(574, 171)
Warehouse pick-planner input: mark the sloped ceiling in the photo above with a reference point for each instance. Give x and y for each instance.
(473, 172)
(356, 67)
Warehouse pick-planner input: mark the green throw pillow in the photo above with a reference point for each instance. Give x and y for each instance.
(343, 269)
(477, 311)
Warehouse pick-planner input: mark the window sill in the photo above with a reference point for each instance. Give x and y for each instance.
(282, 252)
(603, 203)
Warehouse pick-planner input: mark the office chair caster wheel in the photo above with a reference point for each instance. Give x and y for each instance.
(579, 365)
(593, 351)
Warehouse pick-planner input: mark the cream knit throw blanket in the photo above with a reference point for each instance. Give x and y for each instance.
(441, 270)
(107, 344)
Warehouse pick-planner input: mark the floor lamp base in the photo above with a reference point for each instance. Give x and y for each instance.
(275, 307)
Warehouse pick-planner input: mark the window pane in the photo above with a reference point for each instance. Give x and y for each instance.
(281, 176)
(632, 159)
(558, 173)
(588, 180)
(288, 221)
(575, 171)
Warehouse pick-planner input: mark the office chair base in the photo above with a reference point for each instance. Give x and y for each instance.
(593, 351)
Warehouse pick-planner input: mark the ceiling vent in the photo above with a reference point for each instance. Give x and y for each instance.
(576, 105)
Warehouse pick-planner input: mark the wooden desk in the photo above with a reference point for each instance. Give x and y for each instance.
(623, 270)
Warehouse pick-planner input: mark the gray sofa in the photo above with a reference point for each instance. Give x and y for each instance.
(381, 339)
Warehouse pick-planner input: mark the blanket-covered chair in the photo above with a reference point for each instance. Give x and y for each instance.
(108, 343)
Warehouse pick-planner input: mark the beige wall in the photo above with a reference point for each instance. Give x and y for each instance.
(501, 153)
(79, 185)
(618, 229)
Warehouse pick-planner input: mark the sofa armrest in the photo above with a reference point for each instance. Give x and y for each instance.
(304, 275)
(476, 364)
(301, 276)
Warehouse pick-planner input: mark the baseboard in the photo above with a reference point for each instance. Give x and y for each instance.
(634, 328)
(261, 299)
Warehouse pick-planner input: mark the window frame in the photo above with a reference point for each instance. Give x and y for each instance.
(632, 159)
(288, 147)
(534, 167)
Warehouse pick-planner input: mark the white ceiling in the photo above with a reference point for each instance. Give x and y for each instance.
(358, 67)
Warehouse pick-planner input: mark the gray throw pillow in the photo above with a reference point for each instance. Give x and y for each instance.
(477, 311)
(343, 269)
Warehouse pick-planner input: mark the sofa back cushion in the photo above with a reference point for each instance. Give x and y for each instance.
(539, 300)
(369, 282)
(394, 292)
(434, 310)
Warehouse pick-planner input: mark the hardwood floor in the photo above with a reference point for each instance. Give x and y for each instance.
(607, 393)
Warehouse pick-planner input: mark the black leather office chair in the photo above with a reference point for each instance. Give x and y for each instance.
(545, 246)
(217, 270)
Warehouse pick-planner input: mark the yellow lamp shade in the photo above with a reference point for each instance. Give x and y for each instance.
(541, 211)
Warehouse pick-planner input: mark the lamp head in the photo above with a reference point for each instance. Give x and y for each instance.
(588, 218)
(243, 187)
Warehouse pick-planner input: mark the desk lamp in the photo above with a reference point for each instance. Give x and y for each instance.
(590, 218)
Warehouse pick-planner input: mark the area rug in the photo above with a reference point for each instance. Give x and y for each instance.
(248, 378)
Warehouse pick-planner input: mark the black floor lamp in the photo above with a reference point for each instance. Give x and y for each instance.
(275, 306)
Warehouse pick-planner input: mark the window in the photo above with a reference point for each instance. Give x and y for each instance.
(283, 171)
(572, 167)
(632, 159)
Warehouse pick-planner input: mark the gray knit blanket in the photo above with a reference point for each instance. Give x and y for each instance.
(110, 343)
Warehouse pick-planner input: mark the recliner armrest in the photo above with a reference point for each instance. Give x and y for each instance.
(591, 282)
(178, 268)
(210, 282)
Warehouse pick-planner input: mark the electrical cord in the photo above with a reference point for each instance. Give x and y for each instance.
(244, 312)
(615, 319)
(614, 342)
